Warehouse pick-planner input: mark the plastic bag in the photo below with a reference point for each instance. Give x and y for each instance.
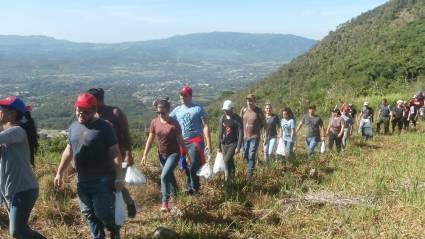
(219, 163)
(323, 147)
(205, 171)
(119, 208)
(134, 176)
(280, 147)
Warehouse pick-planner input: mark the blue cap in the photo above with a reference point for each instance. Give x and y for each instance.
(14, 103)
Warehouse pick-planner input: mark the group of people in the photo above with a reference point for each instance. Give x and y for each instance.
(99, 148)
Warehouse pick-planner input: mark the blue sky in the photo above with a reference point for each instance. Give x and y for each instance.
(134, 20)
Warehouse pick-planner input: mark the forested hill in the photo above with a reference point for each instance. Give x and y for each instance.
(378, 53)
(48, 73)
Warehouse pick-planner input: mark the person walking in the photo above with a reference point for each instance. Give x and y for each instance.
(93, 146)
(193, 121)
(229, 138)
(288, 131)
(315, 131)
(270, 133)
(18, 184)
(384, 117)
(348, 126)
(365, 125)
(397, 116)
(118, 120)
(335, 130)
(168, 135)
(253, 122)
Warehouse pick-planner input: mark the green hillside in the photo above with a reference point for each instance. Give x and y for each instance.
(380, 53)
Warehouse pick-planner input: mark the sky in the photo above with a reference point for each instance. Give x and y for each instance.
(108, 21)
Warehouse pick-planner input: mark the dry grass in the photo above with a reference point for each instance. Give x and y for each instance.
(372, 190)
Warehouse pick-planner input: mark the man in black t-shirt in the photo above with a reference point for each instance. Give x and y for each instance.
(93, 145)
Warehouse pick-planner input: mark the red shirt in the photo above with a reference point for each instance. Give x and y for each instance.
(166, 135)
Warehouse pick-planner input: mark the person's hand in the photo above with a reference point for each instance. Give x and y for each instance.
(323, 138)
(118, 184)
(58, 180)
(143, 161)
(237, 150)
(129, 159)
(188, 159)
(340, 135)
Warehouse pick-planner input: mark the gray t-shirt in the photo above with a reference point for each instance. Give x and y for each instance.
(272, 123)
(16, 174)
(90, 145)
(314, 123)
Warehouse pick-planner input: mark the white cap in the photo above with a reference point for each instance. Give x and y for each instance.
(227, 105)
(366, 103)
(399, 102)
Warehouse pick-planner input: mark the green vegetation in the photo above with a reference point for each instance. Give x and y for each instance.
(379, 53)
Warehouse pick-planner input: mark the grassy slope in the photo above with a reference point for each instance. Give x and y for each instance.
(376, 170)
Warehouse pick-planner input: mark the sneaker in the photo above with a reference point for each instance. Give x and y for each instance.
(164, 206)
(131, 210)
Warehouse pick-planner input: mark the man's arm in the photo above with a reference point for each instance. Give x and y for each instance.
(219, 133)
(115, 153)
(300, 125)
(125, 138)
(207, 134)
(65, 160)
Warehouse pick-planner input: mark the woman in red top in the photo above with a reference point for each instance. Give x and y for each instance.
(167, 133)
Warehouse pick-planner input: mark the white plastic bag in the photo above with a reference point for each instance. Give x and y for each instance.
(323, 147)
(205, 171)
(280, 147)
(219, 163)
(134, 176)
(119, 208)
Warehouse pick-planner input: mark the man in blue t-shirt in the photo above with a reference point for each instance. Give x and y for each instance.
(194, 124)
(93, 145)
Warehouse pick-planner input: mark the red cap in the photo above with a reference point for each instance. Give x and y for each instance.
(186, 90)
(15, 103)
(86, 100)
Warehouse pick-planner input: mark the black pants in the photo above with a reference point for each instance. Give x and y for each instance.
(229, 161)
(397, 123)
(334, 139)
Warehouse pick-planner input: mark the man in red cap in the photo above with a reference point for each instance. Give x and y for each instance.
(118, 120)
(194, 124)
(93, 146)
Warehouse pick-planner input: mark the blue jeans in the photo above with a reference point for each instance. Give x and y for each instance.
(311, 145)
(193, 179)
(269, 148)
(250, 152)
(97, 203)
(20, 206)
(168, 181)
(289, 147)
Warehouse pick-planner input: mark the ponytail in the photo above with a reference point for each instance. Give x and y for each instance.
(28, 124)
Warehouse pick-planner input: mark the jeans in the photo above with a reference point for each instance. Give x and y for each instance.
(20, 206)
(334, 139)
(125, 193)
(311, 145)
(193, 179)
(345, 137)
(229, 162)
(269, 148)
(289, 148)
(168, 181)
(250, 152)
(97, 203)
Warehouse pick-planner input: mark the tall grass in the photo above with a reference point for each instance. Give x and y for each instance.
(387, 174)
